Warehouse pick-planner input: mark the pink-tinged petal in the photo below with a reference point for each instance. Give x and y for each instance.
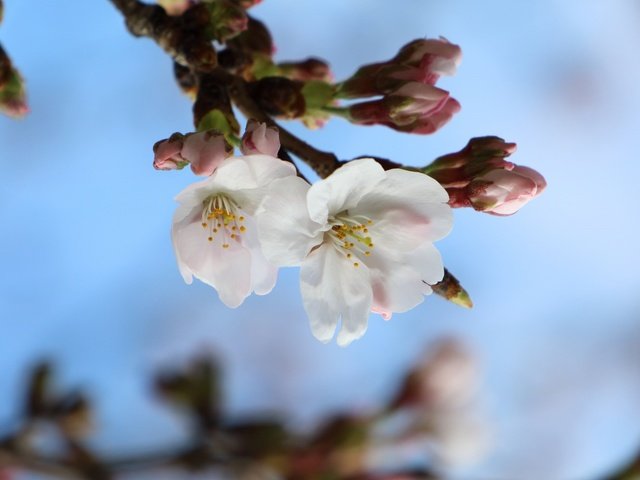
(332, 289)
(343, 189)
(407, 208)
(397, 287)
(286, 232)
(253, 171)
(228, 270)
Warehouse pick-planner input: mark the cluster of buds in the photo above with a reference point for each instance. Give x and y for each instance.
(479, 176)
(410, 100)
(204, 151)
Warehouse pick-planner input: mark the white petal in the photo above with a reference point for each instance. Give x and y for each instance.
(428, 262)
(333, 288)
(343, 189)
(286, 232)
(266, 168)
(263, 273)
(406, 188)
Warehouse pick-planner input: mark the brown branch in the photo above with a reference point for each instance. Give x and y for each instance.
(323, 163)
(181, 37)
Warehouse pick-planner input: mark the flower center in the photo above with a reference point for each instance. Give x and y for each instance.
(350, 235)
(220, 217)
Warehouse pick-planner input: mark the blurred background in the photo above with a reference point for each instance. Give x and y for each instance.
(89, 277)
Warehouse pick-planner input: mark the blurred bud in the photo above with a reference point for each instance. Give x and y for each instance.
(256, 439)
(1, 11)
(175, 7)
(501, 191)
(259, 138)
(458, 438)
(255, 39)
(279, 96)
(204, 151)
(13, 97)
(38, 391)
(449, 288)
(445, 379)
(413, 108)
(196, 390)
(309, 69)
(73, 415)
(227, 19)
(480, 155)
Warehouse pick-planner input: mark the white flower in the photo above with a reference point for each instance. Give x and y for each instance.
(214, 230)
(363, 238)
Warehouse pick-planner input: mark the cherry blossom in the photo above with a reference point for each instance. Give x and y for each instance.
(214, 230)
(363, 238)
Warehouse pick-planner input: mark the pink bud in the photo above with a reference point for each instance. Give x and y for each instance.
(413, 108)
(504, 192)
(205, 151)
(167, 154)
(421, 99)
(432, 57)
(259, 138)
(434, 121)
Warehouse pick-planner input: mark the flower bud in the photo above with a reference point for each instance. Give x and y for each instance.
(431, 57)
(227, 19)
(309, 69)
(259, 138)
(203, 150)
(13, 101)
(168, 153)
(422, 61)
(480, 155)
(413, 108)
(504, 192)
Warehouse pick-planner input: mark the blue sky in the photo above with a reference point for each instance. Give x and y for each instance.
(90, 279)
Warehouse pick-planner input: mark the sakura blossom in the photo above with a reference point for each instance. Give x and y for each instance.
(214, 231)
(363, 238)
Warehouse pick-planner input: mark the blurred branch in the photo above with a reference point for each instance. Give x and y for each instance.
(182, 37)
(337, 449)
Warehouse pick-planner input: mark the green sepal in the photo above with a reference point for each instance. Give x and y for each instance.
(318, 94)
(217, 120)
